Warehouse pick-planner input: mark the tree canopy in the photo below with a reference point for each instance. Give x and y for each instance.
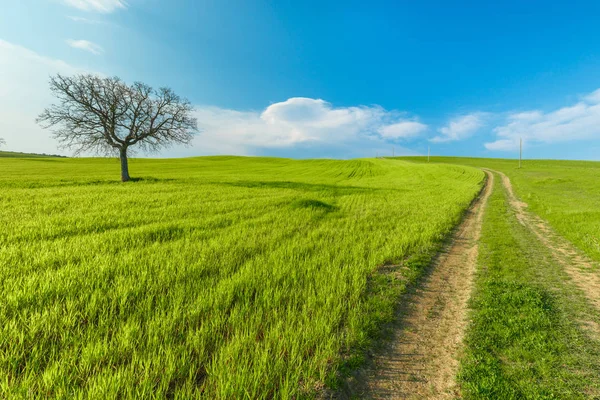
(107, 116)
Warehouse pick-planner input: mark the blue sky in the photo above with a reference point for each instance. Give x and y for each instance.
(325, 78)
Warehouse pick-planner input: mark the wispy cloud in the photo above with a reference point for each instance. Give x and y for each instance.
(21, 53)
(102, 6)
(580, 121)
(86, 45)
(594, 97)
(84, 20)
(460, 128)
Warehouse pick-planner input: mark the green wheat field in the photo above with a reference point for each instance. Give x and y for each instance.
(220, 276)
(234, 277)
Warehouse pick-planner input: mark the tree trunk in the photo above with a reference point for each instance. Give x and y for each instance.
(124, 165)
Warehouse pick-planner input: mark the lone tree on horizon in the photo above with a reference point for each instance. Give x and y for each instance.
(107, 116)
(2, 142)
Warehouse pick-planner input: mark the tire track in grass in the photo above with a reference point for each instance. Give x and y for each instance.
(422, 359)
(582, 271)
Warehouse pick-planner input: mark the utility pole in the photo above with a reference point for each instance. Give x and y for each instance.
(428, 152)
(520, 151)
(393, 151)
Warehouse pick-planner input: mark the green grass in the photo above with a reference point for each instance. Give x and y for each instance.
(225, 277)
(565, 193)
(524, 341)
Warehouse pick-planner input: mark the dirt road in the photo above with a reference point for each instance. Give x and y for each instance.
(582, 271)
(422, 359)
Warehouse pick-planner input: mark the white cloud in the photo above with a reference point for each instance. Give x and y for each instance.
(7, 48)
(503, 145)
(102, 6)
(460, 128)
(577, 122)
(83, 20)
(86, 45)
(300, 127)
(594, 97)
(23, 95)
(300, 122)
(403, 130)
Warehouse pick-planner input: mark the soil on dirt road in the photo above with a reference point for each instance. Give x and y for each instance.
(421, 361)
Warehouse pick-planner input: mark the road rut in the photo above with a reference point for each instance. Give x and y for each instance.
(422, 359)
(583, 272)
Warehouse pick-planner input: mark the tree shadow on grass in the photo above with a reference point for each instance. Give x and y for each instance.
(312, 204)
(92, 182)
(307, 187)
(151, 179)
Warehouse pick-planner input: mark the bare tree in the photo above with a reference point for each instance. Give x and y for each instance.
(2, 142)
(107, 116)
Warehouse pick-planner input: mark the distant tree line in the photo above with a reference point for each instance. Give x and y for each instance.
(16, 153)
